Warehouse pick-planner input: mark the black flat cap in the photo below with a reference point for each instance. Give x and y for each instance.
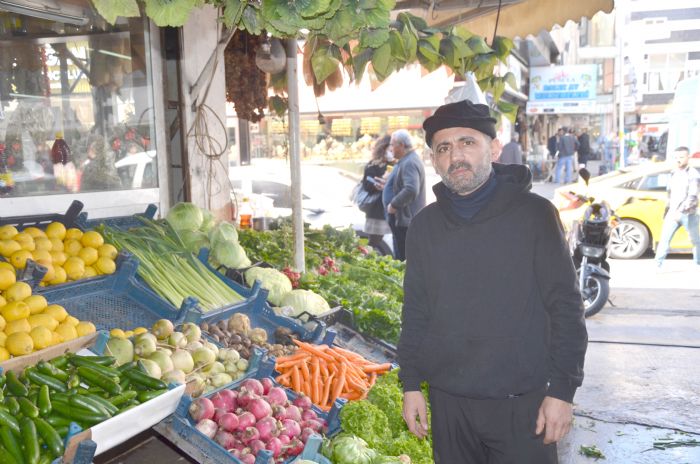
(460, 114)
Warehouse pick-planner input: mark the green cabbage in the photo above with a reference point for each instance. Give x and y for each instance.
(231, 255)
(272, 280)
(224, 232)
(208, 221)
(194, 240)
(305, 300)
(348, 449)
(185, 216)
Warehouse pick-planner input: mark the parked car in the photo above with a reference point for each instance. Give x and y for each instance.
(638, 197)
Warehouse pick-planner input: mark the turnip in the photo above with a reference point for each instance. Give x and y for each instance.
(245, 397)
(214, 368)
(218, 412)
(267, 385)
(252, 385)
(312, 424)
(290, 428)
(191, 331)
(284, 439)
(275, 446)
(242, 365)
(219, 380)
(192, 346)
(121, 348)
(162, 329)
(228, 355)
(276, 395)
(145, 344)
(247, 458)
(152, 368)
(303, 402)
(225, 439)
(208, 427)
(163, 360)
(279, 412)
(203, 356)
(182, 360)
(259, 408)
(212, 347)
(174, 376)
(201, 408)
(231, 367)
(177, 340)
(245, 420)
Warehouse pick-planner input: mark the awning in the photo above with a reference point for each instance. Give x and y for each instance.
(518, 18)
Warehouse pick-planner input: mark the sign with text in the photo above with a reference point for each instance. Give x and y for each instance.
(562, 89)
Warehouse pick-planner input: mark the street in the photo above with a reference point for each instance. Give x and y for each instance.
(642, 371)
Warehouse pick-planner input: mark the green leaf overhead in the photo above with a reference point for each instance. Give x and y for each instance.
(169, 12)
(110, 10)
(323, 65)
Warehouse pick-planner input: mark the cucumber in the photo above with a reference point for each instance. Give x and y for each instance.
(112, 409)
(50, 436)
(149, 395)
(44, 401)
(78, 361)
(98, 379)
(7, 420)
(13, 384)
(28, 408)
(6, 457)
(30, 441)
(145, 380)
(47, 368)
(9, 441)
(80, 401)
(41, 379)
(123, 397)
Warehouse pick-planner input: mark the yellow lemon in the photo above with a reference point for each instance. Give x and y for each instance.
(7, 247)
(36, 303)
(6, 265)
(90, 272)
(72, 247)
(75, 268)
(43, 243)
(73, 233)
(58, 312)
(66, 331)
(40, 256)
(85, 328)
(19, 258)
(7, 232)
(34, 232)
(41, 336)
(117, 333)
(56, 230)
(25, 241)
(88, 255)
(50, 272)
(56, 338)
(107, 251)
(17, 292)
(60, 277)
(19, 343)
(7, 278)
(4, 354)
(2, 324)
(3, 337)
(92, 239)
(45, 320)
(56, 244)
(58, 258)
(140, 330)
(21, 325)
(74, 321)
(15, 310)
(105, 266)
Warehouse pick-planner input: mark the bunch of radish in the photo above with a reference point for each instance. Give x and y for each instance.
(258, 416)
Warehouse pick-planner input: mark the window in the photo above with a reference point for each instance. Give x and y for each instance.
(632, 184)
(87, 86)
(655, 182)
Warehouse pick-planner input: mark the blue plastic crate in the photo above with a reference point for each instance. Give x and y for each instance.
(116, 300)
(184, 426)
(262, 314)
(68, 219)
(117, 222)
(311, 451)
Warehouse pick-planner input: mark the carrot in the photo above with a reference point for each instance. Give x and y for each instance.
(315, 381)
(324, 369)
(348, 354)
(377, 368)
(293, 357)
(340, 383)
(313, 350)
(286, 364)
(355, 395)
(304, 370)
(284, 377)
(307, 388)
(372, 379)
(296, 379)
(326, 390)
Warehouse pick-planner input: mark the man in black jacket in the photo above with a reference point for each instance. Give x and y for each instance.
(492, 316)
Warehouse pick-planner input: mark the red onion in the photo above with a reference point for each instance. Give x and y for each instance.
(279, 412)
(312, 424)
(208, 427)
(252, 385)
(235, 453)
(238, 444)
(256, 446)
(274, 445)
(290, 428)
(295, 447)
(267, 384)
(293, 413)
(245, 397)
(245, 420)
(251, 433)
(306, 432)
(228, 421)
(267, 426)
(276, 395)
(260, 408)
(284, 439)
(308, 414)
(225, 399)
(303, 402)
(225, 439)
(218, 412)
(247, 458)
(201, 408)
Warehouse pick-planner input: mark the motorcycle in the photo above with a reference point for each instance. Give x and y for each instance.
(589, 241)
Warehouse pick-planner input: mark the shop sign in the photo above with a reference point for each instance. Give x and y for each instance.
(370, 125)
(341, 127)
(563, 89)
(310, 126)
(658, 118)
(397, 122)
(562, 107)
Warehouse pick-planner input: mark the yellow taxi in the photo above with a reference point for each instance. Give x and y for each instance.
(637, 195)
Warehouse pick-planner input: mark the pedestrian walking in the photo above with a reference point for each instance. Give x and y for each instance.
(408, 188)
(682, 206)
(375, 222)
(567, 146)
(492, 315)
(584, 148)
(512, 153)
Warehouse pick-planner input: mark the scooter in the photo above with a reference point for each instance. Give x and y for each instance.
(589, 241)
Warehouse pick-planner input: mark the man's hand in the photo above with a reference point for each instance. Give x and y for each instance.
(554, 418)
(414, 406)
(390, 209)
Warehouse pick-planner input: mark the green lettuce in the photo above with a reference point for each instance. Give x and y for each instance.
(367, 421)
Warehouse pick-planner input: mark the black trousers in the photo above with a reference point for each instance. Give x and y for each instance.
(399, 238)
(468, 431)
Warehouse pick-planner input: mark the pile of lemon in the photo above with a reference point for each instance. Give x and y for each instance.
(120, 333)
(68, 254)
(28, 323)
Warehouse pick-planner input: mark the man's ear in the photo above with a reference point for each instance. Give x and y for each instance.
(496, 148)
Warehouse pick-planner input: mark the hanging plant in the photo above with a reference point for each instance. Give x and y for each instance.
(246, 85)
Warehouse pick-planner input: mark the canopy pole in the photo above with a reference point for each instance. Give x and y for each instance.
(620, 24)
(294, 155)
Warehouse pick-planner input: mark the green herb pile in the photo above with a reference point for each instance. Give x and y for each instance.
(342, 270)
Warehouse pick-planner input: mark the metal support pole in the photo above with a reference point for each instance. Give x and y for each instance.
(620, 20)
(294, 154)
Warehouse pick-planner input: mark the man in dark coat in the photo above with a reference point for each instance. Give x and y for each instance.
(584, 147)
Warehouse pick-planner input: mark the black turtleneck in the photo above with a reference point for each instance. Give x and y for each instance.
(466, 206)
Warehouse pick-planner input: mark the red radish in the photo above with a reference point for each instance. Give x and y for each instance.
(225, 439)
(225, 399)
(279, 412)
(284, 439)
(228, 421)
(267, 384)
(292, 413)
(308, 414)
(260, 408)
(201, 408)
(267, 426)
(276, 395)
(208, 427)
(295, 447)
(303, 402)
(252, 385)
(312, 424)
(245, 420)
(274, 445)
(256, 446)
(290, 428)
(306, 432)
(245, 397)
(251, 433)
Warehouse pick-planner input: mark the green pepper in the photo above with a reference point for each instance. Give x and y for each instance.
(44, 401)
(50, 436)
(9, 441)
(16, 387)
(30, 441)
(73, 381)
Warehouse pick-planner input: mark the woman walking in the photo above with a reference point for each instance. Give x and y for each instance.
(375, 224)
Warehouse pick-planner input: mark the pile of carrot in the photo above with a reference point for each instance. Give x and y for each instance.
(324, 374)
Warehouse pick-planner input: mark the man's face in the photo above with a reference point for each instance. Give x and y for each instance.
(398, 148)
(681, 158)
(462, 157)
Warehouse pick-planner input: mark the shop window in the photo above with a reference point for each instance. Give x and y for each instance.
(87, 83)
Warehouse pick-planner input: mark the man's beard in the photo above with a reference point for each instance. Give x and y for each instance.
(463, 185)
